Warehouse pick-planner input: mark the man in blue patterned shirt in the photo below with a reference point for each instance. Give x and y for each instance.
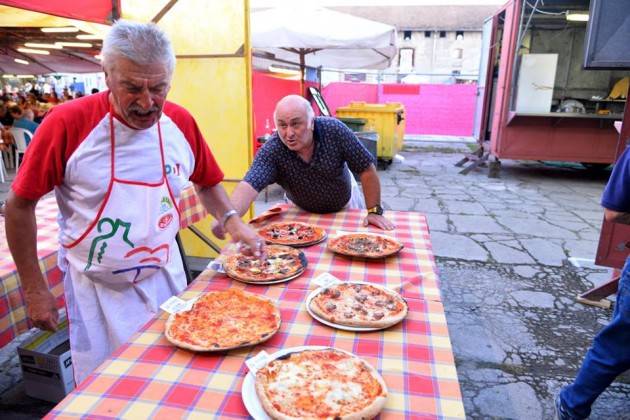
(311, 158)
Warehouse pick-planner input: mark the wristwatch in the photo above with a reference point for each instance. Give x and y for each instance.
(377, 209)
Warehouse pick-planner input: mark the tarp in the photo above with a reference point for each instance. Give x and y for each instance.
(20, 20)
(99, 11)
(323, 37)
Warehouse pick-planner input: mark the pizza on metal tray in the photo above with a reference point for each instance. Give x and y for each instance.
(365, 245)
(292, 233)
(223, 320)
(359, 305)
(320, 384)
(282, 262)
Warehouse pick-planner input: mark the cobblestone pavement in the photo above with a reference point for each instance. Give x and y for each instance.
(502, 248)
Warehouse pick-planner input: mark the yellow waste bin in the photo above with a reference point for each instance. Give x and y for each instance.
(388, 120)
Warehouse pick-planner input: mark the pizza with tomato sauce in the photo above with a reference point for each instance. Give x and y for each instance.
(359, 305)
(281, 263)
(365, 245)
(292, 233)
(224, 320)
(320, 384)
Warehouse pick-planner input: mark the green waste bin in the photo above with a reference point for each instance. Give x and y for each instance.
(354, 124)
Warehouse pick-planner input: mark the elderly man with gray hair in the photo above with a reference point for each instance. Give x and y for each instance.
(117, 161)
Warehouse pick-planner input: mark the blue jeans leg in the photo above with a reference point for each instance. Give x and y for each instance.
(608, 357)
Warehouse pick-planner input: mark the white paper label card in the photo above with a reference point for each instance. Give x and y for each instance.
(326, 280)
(175, 304)
(216, 265)
(258, 361)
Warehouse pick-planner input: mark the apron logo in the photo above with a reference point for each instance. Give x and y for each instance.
(114, 226)
(148, 259)
(172, 169)
(165, 221)
(165, 205)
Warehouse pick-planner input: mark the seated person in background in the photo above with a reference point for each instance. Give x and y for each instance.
(5, 116)
(23, 119)
(311, 158)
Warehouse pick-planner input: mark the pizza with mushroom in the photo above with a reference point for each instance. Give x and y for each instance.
(359, 305)
(365, 245)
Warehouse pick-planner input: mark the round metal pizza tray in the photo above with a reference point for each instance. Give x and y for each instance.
(317, 291)
(294, 276)
(304, 245)
(303, 260)
(248, 390)
(365, 257)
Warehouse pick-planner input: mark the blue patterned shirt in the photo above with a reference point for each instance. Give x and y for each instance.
(323, 184)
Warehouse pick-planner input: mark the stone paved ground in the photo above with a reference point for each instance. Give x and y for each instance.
(502, 248)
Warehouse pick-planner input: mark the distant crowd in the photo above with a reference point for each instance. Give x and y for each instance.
(26, 110)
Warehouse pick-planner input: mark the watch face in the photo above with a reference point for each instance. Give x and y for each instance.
(377, 209)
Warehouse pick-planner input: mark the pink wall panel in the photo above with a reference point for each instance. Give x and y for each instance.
(340, 94)
(430, 109)
(438, 109)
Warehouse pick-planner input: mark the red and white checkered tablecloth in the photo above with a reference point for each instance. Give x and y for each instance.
(148, 377)
(190, 208)
(13, 320)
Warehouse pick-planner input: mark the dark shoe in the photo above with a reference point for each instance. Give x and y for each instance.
(561, 412)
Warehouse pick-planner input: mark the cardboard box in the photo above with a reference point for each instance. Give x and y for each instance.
(47, 365)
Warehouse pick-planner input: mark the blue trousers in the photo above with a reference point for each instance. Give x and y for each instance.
(608, 357)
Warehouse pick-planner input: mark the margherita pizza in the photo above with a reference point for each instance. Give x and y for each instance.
(320, 384)
(359, 305)
(224, 320)
(365, 245)
(282, 263)
(292, 233)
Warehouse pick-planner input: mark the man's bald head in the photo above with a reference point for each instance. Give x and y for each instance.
(292, 104)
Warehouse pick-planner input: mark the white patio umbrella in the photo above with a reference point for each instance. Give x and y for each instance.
(319, 37)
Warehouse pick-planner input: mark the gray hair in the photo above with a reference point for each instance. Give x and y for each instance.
(142, 43)
(308, 109)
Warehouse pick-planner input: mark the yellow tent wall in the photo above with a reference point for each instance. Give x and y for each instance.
(213, 81)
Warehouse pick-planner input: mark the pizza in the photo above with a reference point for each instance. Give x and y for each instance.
(320, 384)
(359, 305)
(282, 263)
(292, 233)
(366, 245)
(223, 320)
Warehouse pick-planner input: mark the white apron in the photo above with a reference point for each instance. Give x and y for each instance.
(124, 265)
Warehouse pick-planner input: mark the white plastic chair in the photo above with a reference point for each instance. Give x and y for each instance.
(19, 135)
(2, 169)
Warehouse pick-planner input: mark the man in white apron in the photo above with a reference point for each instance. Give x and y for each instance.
(117, 162)
(312, 159)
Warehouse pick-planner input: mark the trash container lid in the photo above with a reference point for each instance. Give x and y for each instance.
(353, 120)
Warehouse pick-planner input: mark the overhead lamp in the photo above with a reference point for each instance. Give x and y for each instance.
(19, 60)
(38, 45)
(575, 16)
(87, 37)
(60, 29)
(32, 51)
(283, 70)
(74, 44)
(24, 76)
(8, 76)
